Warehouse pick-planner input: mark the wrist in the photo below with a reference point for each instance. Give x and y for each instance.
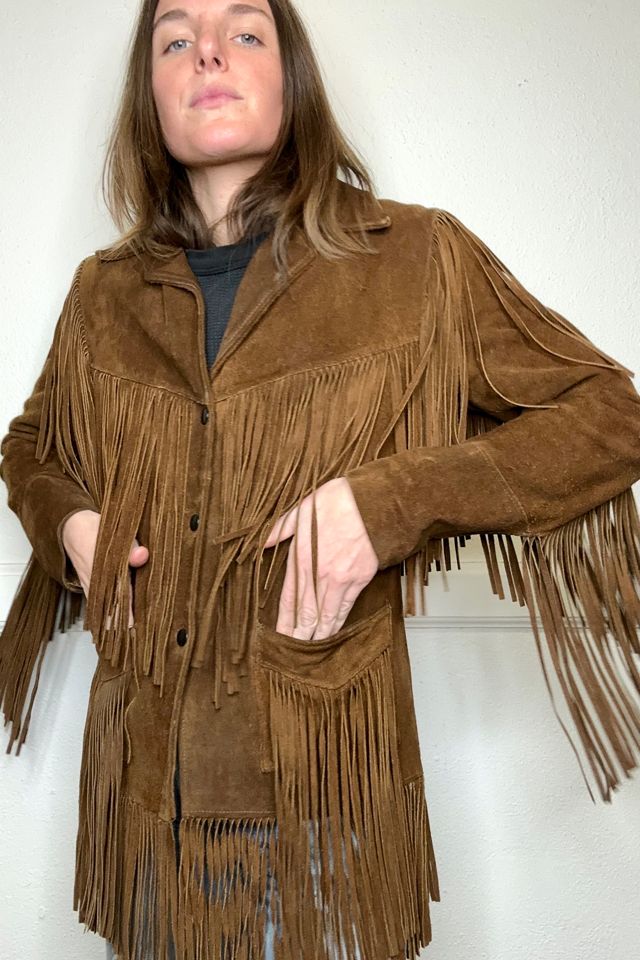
(76, 521)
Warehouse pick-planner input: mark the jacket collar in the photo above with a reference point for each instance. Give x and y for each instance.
(259, 287)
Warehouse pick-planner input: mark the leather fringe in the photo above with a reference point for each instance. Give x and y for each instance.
(29, 627)
(202, 889)
(66, 419)
(354, 855)
(583, 581)
(123, 443)
(98, 850)
(583, 577)
(227, 892)
(324, 426)
(127, 443)
(144, 438)
(68, 414)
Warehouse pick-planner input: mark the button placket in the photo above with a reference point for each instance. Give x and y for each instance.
(182, 635)
(194, 520)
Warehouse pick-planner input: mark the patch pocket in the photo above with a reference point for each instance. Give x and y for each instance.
(329, 723)
(330, 662)
(281, 662)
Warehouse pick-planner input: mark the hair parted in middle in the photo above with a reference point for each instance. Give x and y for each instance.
(148, 193)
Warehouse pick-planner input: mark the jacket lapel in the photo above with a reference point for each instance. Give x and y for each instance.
(260, 287)
(257, 291)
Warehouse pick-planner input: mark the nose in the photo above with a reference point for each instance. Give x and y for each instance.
(203, 61)
(209, 52)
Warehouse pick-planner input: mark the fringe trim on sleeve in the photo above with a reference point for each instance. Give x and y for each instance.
(29, 627)
(68, 413)
(583, 577)
(122, 442)
(31, 619)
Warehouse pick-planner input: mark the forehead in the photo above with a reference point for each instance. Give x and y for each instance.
(179, 9)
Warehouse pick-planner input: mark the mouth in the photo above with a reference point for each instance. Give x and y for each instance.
(213, 100)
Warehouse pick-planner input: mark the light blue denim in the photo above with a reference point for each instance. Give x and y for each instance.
(270, 929)
(262, 836)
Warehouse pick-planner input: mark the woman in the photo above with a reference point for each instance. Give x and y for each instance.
(270, 356)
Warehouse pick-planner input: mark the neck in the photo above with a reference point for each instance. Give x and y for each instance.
(214, 187)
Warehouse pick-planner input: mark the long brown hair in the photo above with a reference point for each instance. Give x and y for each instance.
(148, 193)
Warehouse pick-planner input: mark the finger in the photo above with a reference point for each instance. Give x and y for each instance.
(335, 603)
(298, 610)
(282, 528)
(138, 555)
(334, 606)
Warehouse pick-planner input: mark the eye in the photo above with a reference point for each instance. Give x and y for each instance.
(253, 36)
(166, 50)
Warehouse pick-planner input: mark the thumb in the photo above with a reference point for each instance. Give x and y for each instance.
(283, 528)
(138, 555)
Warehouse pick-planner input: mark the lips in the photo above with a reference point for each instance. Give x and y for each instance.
(214, 93)
(214, 100)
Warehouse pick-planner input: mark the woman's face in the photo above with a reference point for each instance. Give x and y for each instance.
(198, 44)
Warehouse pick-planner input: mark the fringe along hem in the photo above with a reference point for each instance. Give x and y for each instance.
(354, 870)
(201, 889)
(218, 887)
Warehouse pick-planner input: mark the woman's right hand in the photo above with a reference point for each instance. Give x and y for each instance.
(79, 536)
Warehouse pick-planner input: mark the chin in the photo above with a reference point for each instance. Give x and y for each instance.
(226, 154)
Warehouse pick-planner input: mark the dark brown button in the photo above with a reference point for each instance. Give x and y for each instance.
(204, 416)
(194, 523)
(181, 637)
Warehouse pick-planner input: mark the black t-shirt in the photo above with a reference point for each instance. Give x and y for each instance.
(219, 271)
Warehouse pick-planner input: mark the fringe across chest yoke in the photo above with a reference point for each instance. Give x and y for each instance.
(456, 404)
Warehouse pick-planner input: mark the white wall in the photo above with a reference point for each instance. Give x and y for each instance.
(522, 120)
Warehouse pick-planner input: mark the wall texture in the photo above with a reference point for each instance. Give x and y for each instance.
(522, 120)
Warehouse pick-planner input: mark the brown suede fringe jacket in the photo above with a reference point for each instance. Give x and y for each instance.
(455, 403)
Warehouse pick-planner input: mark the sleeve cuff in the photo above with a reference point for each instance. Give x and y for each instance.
(49, 501)
(416, 495)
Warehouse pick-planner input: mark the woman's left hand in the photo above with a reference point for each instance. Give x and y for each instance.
(346, 561)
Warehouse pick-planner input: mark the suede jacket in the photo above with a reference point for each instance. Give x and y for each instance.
(455, 404)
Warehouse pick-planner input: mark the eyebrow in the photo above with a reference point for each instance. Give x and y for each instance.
(233, 10)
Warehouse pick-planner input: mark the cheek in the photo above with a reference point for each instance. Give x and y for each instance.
(163, 89)
(272, 96)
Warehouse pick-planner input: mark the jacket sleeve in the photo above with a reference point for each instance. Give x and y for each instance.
(50, 468)
(564, 417)
(521, 425)
(41, 492)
